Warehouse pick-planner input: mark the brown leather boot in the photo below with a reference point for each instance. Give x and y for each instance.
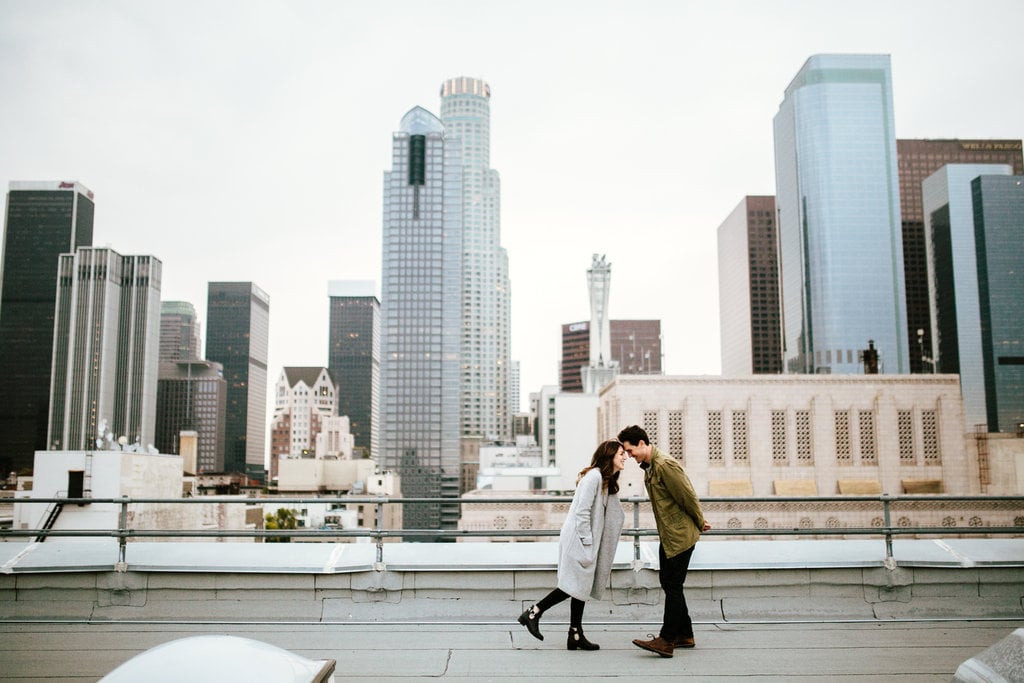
(657, 645)
(683, 641)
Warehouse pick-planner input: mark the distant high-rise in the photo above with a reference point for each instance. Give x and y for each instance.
(106, 343)
(973, 215)
(998, 221)
(841, 251)
(421, 309)
(353, 357)
(238, 337)
(304, 399)
(748, 289)
(44, 220)
(919, 159)
(634, 344)
(179, 332)
(486, 306)
(192, 396)
(513, 391)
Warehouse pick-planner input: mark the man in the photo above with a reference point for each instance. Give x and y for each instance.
(680, 522)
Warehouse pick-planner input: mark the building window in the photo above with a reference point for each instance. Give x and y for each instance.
(715, 437)
(804, 452)
(740, 438)
(930, 437)
(868, 450)
(905, 430)
(842, 423)
(779, 437)
(650, 426)
(676, 435)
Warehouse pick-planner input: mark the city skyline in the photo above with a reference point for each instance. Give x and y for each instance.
(626, 131)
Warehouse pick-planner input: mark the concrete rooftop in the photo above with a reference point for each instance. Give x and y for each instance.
(763, 610)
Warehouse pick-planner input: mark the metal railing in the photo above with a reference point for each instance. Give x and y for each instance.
(713, 508)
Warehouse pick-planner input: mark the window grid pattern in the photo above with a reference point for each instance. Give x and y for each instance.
(905, 431)
(930, 437)
(868, 447)
(842, 426)
(715, 446)
(779, 436)
(740, 437)
(804, 451)
(650, 425)
(676, 435)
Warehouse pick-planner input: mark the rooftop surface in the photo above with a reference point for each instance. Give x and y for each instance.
(763, 610)
(817, 651)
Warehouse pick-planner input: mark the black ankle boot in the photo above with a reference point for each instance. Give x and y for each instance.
(578, 641)
(532, 622)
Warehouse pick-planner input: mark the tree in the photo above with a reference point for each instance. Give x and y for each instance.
(282, 519)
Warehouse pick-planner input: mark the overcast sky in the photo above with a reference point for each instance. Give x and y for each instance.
(248, 140)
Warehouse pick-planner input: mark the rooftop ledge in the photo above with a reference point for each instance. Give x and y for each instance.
(729, 581)
(98, 555)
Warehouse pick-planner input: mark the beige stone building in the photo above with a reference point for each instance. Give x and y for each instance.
(811, 435)
(804, 436)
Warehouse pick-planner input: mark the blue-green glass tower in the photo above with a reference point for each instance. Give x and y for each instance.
(837, 199)
(998, 228)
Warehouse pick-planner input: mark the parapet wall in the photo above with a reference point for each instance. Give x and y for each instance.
(835, 584)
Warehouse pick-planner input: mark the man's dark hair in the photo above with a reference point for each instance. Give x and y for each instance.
(634, 434)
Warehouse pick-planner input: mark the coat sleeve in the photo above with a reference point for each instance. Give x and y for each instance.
(683, 493)
(586, 492)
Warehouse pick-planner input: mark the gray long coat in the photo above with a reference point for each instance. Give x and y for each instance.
(590, 535)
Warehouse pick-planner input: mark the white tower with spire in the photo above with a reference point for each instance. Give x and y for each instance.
(601, 369)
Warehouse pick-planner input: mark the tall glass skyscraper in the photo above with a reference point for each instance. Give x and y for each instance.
(973, 215)
(44, 220)
(841, 254)
(486, 306)
(998, 219)
(238, 337)
(353, 357)
(179, 332)
(421, 308)
(106, 343)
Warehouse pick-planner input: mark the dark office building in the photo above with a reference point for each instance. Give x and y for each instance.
(635, 345)
(749, 305)
(998, 221)
(353, 359)
(237, 337)
(192, 396)
(917, 160)
(44, 220)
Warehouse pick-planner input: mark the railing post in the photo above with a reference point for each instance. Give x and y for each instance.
(379, 564)
(887, 524)
(122, 536)
(636, 534)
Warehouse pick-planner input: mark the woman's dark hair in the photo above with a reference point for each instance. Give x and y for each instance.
(604, 460)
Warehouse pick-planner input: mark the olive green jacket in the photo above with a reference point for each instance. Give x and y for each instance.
(676, 506)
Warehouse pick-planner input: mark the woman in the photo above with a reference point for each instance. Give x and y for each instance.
(586, 545)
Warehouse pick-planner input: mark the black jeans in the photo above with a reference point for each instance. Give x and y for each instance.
(676, 623)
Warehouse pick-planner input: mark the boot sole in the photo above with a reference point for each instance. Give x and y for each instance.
(651, 649)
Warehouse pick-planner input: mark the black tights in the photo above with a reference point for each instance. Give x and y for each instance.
(575, 606)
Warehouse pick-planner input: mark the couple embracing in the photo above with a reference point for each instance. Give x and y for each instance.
(591, 533)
